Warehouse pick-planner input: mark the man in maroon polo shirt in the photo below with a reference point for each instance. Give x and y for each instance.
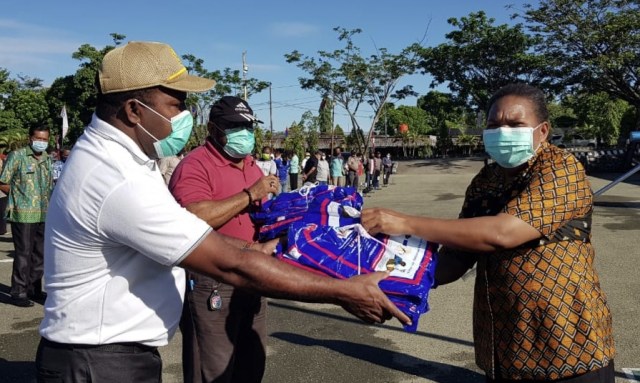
(224, 330)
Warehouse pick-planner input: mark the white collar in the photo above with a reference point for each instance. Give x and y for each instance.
(111, 133)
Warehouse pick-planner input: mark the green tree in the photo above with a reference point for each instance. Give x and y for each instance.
(561, 115)
(261, 141)
(468, 143)
(325, 116)
(384, 125)
(627, 124)
(228, 83)
(29, 106)
(312, 128)
(413, 143)
(22, 106)
(415, 118)
(7, 86)
(78, 91)
(598, 115)
(351, 80)
(445, 112)
(596, 44)
(296, 141)
(480, 57)
(13, 139)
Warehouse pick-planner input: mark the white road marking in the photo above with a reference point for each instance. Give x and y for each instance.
(633, 374)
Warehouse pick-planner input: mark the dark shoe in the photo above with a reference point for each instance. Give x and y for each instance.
(21, 302)
(39, 297)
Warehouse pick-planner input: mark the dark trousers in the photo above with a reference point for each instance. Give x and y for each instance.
(3, 221)
(602, 375)
(353, 179)
(28, 260)
(376, 179)
(386, 175)
(226, 345)
(293, 180)
(57, 362)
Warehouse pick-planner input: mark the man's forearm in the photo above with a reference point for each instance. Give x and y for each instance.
(217, 213)
(256, 271)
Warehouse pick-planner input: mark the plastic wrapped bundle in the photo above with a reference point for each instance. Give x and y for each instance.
(348, 251)
(321, 204)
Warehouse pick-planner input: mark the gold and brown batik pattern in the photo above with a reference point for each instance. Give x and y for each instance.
(539, 311)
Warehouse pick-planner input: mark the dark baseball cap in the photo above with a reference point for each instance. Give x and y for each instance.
(232, 109)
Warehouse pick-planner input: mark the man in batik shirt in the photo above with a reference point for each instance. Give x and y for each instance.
(27, 179)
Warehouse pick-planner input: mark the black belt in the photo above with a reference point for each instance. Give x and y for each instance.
(129, 347)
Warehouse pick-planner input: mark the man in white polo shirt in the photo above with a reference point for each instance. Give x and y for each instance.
(115, 236)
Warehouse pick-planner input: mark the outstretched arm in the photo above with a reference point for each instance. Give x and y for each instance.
(259, 272)
(480, 234)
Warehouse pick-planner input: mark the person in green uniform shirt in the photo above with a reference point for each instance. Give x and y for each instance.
(27, 180)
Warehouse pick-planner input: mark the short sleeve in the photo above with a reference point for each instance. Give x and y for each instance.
(9, 168)
(141, 215)
(190, 182)
(274, 169)
(557, 193)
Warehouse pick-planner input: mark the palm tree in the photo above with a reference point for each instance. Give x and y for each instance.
(13, 139)
(468, 143)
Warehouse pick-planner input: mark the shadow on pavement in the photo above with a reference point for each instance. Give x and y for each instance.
(435, 371)
(445, 163)
(5, 293)
(354, 320)
(611, 176)
(17, 372)
(622, 204)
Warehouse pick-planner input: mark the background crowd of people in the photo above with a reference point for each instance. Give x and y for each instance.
(366, 174)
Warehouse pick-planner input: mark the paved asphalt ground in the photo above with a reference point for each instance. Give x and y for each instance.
(321, 343)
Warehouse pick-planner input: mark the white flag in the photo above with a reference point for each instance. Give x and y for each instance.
(65, 121)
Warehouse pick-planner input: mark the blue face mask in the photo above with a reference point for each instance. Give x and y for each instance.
(39, 146)
(510, 147)
(181, 126)
(240, 142)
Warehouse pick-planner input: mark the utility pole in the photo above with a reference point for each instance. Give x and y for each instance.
(271, 116)
(333, 125)
(385, 122)
(245, 69)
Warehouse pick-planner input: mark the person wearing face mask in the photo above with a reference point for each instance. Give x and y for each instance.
(323, 170)
(539, 311)
(27, 180)
(225, 343)
(266, 163)
(118, 243)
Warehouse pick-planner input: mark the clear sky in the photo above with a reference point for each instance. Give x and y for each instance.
(37, 37)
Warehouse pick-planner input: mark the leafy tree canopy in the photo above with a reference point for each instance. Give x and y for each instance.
(595, 44)
(415, 118)
(480, 57)
(351, 79)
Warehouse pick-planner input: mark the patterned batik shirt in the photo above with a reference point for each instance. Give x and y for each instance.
(539, 311)
(30, 183)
